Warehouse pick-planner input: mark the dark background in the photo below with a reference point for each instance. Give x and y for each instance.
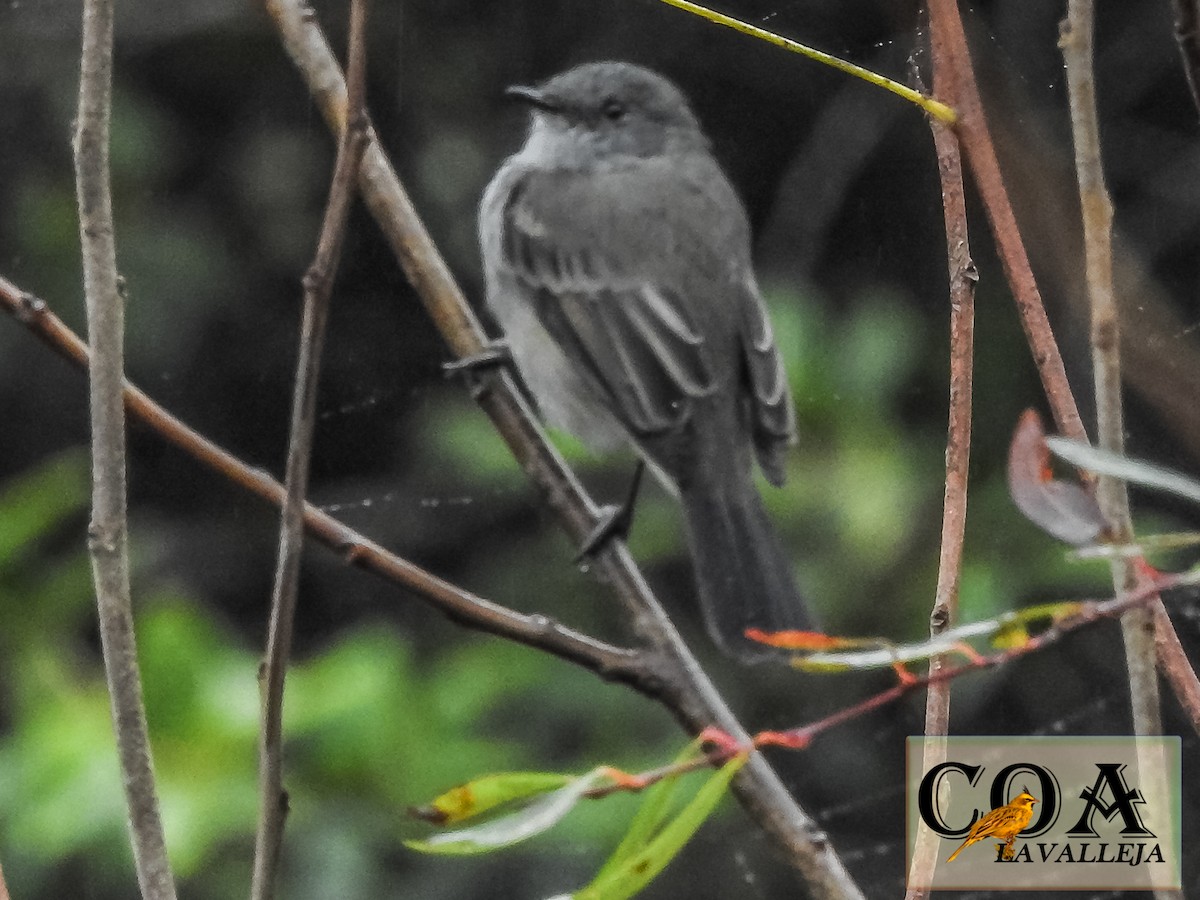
(220, 168)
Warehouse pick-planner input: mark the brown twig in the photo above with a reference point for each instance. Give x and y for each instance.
(1090, 612)
(3, 886)
(318, 288)
(962, 280)
(469, 610)
(1146, 591)
(686, 690)
(962, 92)
(1187, 34)
(108, 529)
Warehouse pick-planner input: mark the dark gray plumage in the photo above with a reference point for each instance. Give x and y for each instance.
(617, 258)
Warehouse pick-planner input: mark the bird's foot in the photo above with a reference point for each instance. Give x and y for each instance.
(494, 353)
(614, 521)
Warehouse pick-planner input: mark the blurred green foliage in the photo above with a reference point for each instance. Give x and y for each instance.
(369, 728)
(220, 168)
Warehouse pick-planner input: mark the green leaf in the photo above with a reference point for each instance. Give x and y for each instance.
(639, 868)
(39, 500)
(650, 817)
(483, 794)
(530, 820)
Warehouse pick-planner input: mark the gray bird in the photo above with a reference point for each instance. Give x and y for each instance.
(617, 259)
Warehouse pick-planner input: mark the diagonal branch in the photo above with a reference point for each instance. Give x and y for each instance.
(318, 288)
(687, 691)
(962, 92)
(469, 610)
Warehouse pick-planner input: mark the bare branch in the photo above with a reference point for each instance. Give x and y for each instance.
(962, 92)
(469, 610)
(107, 532)
(962, 280)
(318, 288)
(1137, 626)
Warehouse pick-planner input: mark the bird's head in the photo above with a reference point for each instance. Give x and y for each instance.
(604, 111)
(1024, 799)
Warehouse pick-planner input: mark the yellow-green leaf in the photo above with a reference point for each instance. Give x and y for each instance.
(480, 795)
(639, 866)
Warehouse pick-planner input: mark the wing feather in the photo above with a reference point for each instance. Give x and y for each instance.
(635, 335)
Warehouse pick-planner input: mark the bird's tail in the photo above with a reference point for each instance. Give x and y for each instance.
(743, 575)
(960, 849)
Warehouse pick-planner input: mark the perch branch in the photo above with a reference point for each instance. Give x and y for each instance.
(687, 692)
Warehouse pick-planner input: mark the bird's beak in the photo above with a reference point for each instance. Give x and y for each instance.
(532, 97)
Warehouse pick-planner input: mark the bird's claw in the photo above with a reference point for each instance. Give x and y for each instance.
(614, 521)
(494, 353)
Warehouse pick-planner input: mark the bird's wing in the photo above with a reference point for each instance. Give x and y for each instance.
(598, 292)
(772, 413)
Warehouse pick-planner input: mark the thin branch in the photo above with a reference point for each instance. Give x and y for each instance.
(3, 887)
(1113, 496)
(1089, 613)
(1187, 34)
(318, 288)
(962, 93)
(107, 532)
(1175, 666)
(1137, 624)
(962, 280)
(613, 663)
(1145, 591)
(686, 690)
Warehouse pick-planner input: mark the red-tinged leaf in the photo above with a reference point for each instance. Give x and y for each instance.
(797, 640)
(1061, 509)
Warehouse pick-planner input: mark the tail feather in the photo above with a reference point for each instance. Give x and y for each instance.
(743, 575)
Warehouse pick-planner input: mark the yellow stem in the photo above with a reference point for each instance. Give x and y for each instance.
(933, 107)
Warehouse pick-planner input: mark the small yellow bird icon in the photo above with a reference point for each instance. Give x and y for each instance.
(1004, 822)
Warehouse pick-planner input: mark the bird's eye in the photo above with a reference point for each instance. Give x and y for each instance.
(613, 109)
